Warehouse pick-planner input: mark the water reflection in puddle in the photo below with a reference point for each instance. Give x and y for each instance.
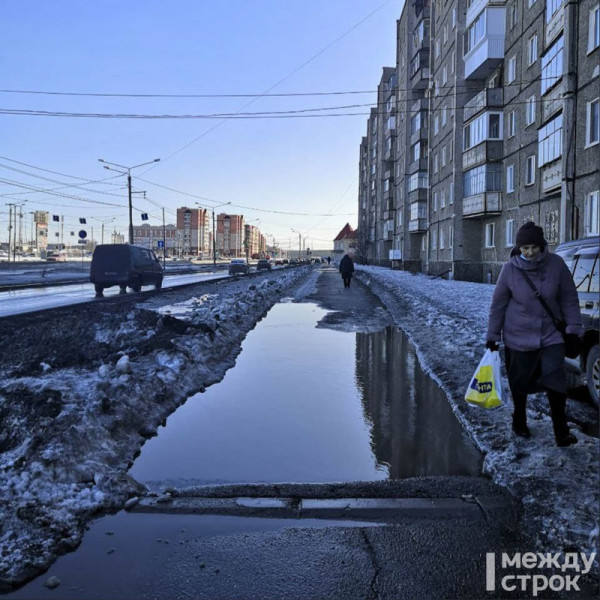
(308, 404)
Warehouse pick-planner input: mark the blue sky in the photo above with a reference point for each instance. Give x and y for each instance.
(302, 165)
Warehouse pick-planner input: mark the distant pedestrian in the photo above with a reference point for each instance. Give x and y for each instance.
(346, 269)
(328, 260)
(534, 347)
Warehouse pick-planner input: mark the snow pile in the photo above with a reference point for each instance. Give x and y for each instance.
(447, 322)
(73, 416)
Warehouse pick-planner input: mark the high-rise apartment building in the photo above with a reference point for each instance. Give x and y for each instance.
(496, 122)
(193, 228)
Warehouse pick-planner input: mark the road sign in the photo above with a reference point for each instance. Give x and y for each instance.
(82, 241)
(160, 244)
(83, 234)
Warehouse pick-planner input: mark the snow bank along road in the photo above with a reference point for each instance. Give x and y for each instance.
(81, 388)
(558, 487)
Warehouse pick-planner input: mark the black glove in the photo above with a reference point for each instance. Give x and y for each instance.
(491, 345)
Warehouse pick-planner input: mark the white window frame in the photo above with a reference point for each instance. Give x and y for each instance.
(509, 233)
(445, 35)
(530, 111)
(512, 123)
(451, 195)
(511, 71)
(510, 179)
(592, 137)
(433, 240)
(424, 243)
(435, 163)
(453, 17)
(530, 3)
(453, 62)
(442, 240)
(437, 48)
(436, 125)
(530, 170)
(594, 29)
(591, 218)
(443, 158)
(550, 141)
(444, 116)
(532, 50)
(442, 198)
(435, 201)
(445, 75)
(490, 234)
(451, 236)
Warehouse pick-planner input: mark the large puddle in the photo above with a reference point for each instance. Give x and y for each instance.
(308, 404)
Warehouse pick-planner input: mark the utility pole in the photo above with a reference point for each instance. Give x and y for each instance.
(10, 208)
(164, 239)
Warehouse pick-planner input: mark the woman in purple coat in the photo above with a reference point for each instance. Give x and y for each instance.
(534, 347)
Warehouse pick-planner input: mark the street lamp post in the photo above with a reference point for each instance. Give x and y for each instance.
(299, 242)
(214, 234)
(103, 221)
(128, 173)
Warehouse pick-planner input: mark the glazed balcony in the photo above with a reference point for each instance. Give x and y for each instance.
(482, 205)
(488, 98)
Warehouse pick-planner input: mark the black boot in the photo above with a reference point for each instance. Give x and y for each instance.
(562, 435)
(519, 424)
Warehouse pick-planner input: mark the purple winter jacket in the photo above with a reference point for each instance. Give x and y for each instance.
(517, 315)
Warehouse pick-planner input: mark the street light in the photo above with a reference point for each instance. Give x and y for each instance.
(214, 236)
(128, 173)
(299, 242)
(102, 221)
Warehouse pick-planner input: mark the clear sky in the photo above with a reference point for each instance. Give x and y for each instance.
(303, 165)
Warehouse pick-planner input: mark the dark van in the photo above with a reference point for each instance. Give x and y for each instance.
(125, 266)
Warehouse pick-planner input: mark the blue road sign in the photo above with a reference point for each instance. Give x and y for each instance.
(83, 234)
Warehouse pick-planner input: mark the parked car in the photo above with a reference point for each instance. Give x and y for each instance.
(56, 256)
(286, 261)
(238, 265)
(278, 261)
(567, 250)
(125, 266)
(263, 265)
(585, 266)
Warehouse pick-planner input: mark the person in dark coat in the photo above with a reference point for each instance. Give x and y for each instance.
(534, 347)
(346, 269)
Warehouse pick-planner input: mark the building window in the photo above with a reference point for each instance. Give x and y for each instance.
(490, 230)
(436, 125)
(435, 201)
(530, 111)
(512, 15)
(417, 180)
(550, 141)
(510, 179)
(444, 75)
(451, 195)
(510, 233)
(444, 116)
(435, 163)
(453, 17)
(442, 198)
(416, 151)
(512, 69)
(445, 34)
(424, 243)
(433, 240)
(485, 178)
(592, 123)
(530, 3)
(552, 7)
(453, 63)
(532, 50)
(415, 123)
(444, 156)
(552, 65)
(442, 240)
(474, 34)
(594, 30)
(512, 123)
(437, 48)
(591, 225)
(487, 126)
(450, 236)
(530, 171)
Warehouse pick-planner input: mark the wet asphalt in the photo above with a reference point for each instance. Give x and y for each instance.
(301, 541)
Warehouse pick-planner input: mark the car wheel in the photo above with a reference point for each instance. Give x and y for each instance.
(592, 372)
(122, 289)
(158, 283)
(99, 289)
(136, 287)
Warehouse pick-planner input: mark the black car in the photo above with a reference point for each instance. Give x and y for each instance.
(126, 266)
(238, 266)
(263, 265)
(585, 265)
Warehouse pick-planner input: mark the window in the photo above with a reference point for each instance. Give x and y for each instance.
(594, 30)
(530, 111)
(532, 50)
(512, 15)
(591, 225)
(453, 62)
(451, 195)
(436, 125)
(424, 244)
(510, 179)
(510, 233)
(490, 230)
(444, 75)
(552, 65)
(550, 141)
(512, 123)
(474, 34)
(418, 180)
(530, 3)
(442, 198)
(487, 126)
(552, 7)
(592, 123)
(435, 163)
(442, 240)
(450, 236)
(444, 116)
(485, 178)
(435, 201)
(416, 151)
(437, 48)
(445, 34)
(433, 240)
(530, 171)
(373, 169)
(451, 149)
(444, 156)
(415, 123)
(512, 69)
(453, 17)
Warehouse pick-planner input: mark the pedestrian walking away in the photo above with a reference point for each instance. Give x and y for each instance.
(534, 346)
(346, 269)
(328, 260)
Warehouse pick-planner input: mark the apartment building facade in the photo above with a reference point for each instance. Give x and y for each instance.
(496, 123)
(193, 229)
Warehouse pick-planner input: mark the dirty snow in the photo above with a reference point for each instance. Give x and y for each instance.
(73, 416)
(447, 322)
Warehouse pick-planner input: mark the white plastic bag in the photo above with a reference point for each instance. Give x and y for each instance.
(485, 389)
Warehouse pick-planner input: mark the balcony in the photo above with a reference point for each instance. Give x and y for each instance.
(554, 27)
(420, 80)
(477, 6)
(485, 152)
(419, 135)
(488, 52)
(552, 102)
(482, 205)
(417, 226)
(388, 155)
(388, 194)
(488, 98)
(417, 165)
(551, 176)
(418, 195)
(419, 69)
